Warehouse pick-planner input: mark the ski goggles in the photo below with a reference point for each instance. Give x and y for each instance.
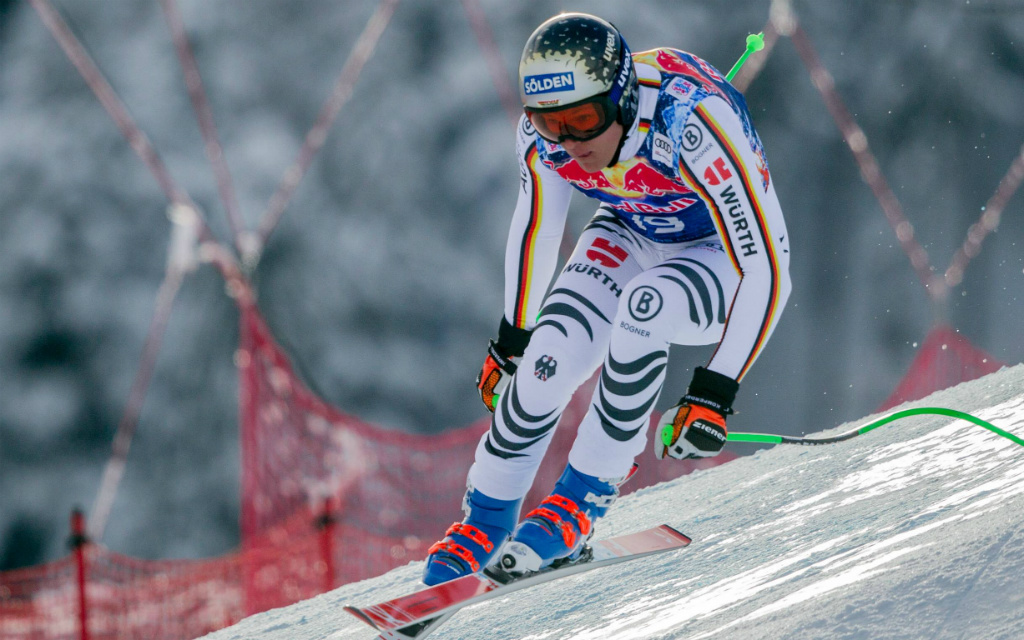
(580, 121)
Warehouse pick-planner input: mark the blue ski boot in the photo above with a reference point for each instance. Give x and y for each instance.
(557, 531)
(472, 544)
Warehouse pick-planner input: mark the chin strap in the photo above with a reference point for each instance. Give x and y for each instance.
(618, 150)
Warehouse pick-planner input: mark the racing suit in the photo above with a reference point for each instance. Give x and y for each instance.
(687, 246)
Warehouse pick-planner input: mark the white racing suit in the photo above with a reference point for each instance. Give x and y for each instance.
(688, 246)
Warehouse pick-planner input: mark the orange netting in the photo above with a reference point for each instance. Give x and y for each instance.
(39, 603)
(946, 359)
(126, 598)
(326, 499)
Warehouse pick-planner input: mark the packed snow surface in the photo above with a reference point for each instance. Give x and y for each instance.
(913, 530)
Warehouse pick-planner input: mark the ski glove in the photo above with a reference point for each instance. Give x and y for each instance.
(695, 428)
(499, 366)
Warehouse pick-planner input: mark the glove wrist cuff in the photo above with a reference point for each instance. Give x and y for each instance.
(712, 390)
(502, 359)
(512, 340)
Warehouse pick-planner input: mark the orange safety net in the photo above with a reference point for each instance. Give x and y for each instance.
(946, 359)
(39, 603)
(125, 598)
(327, 499)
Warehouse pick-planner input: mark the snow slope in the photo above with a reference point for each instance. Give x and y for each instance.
(913, 530)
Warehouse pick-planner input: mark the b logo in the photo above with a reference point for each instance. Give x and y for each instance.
(692, 137)
(644, 303)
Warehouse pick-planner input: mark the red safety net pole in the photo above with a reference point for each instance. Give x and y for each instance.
(485, 38)
(870, 171)
(204, 115)
(114, 470)
(936, 286)
(317, 135)
(78, 542)
(112, 103)
(945, 358)
(993, 210)
(326, 525)
(182, 206)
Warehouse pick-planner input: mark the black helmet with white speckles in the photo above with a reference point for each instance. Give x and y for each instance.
(574, 59)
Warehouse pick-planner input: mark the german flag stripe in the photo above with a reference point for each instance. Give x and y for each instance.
(697, 186)
(526, 257)
(716, 217)
(749, 187)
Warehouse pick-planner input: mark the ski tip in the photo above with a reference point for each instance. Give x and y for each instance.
(676, 533)
(357, 612)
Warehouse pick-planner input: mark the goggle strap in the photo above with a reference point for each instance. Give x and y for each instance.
(625, 59)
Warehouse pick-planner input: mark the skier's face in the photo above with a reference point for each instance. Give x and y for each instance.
(595, 154)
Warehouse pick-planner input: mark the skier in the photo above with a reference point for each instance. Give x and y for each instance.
(687, 246)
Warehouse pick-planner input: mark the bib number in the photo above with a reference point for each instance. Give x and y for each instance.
(657, 224)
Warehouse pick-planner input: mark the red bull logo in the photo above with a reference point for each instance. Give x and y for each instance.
(633, 182)
(672, 63)
(579, 178)
(645, 179)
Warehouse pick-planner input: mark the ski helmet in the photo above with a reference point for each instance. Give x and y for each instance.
(577, 78)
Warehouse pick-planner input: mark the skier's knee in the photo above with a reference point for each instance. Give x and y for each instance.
(557, 361)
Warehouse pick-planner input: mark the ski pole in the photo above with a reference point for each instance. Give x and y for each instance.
(755, 42)
(905, 413)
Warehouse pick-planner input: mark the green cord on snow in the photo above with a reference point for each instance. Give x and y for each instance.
(905, 413)
(755, 42)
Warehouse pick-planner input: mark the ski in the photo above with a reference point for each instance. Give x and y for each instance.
(416, 615)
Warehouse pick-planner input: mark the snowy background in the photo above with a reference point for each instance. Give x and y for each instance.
(384, 277)
(912, 531)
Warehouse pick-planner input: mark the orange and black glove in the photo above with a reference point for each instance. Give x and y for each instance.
(695, 428)
(499, 365)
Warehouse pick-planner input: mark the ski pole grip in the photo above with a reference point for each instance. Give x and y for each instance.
(755, 42)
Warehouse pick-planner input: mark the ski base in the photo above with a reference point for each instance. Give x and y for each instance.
(416, 615)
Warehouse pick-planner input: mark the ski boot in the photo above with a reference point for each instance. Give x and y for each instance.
(474, 543)
(556, 532)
